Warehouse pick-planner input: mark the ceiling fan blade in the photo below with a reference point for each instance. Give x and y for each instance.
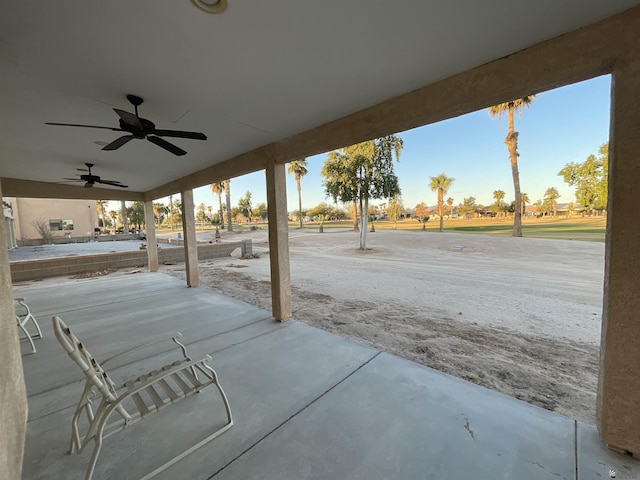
(73, 179)
(129, 119)
(167, 146)
(84, 126)
(115, 183)
(180, 134)
(118, 142)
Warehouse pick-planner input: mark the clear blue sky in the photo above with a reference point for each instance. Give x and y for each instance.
(561, 126)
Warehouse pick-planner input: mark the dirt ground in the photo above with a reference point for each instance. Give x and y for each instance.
(520, 316)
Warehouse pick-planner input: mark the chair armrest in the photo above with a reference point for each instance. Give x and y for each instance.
(173, 337)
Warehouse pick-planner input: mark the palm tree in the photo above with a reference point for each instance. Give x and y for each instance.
(512, 145)
(450, 204)
(551, 195)
(499, 196)
(441, 184)
(299, 169)
(227, 192)
(525, 199)
(171, 210)
(217, 188)
(101, 208)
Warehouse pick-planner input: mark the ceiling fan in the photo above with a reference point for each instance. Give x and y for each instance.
(138, 127)
(91, 179)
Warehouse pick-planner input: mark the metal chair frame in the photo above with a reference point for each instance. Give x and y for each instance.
(162, 388)
(23, 320)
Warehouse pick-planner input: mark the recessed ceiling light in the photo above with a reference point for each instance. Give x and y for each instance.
(211, 6)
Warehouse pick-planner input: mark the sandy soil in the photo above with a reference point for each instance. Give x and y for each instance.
(520, 316)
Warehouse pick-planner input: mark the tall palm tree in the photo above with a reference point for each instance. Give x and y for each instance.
(101, 208)
(450, 204)
(551, 195)
(227, 193)
(525, 199)
(499, 196)
(441, 184)
(512, 145)
(299, 169)
(171, 210)
(218, 188)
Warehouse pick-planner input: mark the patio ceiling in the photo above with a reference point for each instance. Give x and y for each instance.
(255, 75)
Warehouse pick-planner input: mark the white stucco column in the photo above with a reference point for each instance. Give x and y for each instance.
(190, 243)
(150, 228)
(618, 415)
(13, 395)
(278, 241)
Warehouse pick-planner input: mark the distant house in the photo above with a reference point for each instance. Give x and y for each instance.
(64, 218)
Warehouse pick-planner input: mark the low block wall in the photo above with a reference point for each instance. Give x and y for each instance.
(52, 267)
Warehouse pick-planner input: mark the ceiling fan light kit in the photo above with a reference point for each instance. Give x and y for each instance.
(140, 128)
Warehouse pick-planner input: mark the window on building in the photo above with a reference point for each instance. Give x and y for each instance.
(57, 225)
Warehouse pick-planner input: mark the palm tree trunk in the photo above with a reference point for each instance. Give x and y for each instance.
(440, 208)
(171, 210)
(227, 193)
(125, 220)
(221, 211)
(299, 200)
(512, 146)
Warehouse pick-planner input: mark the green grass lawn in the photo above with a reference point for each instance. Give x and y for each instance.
(590, 229)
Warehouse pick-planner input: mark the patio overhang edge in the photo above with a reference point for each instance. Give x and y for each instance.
(14, 187)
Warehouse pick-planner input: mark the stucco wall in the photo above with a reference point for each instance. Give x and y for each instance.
(26, 211)
(36, 269)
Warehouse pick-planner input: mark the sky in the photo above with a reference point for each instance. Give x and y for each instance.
(560, 126)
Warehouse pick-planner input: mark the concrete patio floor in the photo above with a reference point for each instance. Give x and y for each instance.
(307, 404)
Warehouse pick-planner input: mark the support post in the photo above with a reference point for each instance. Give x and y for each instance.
(190, 243)
(152, 245)
(618, 416)
(278, 241)
(13, 395)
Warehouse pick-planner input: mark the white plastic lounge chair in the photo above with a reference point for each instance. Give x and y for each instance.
(161, 388)
(22, 319)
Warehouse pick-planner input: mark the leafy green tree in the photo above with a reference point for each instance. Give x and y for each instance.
(260, 211)
(321, 212)
(363, 172)
(244, 206)
(176, 213)
(590, 179)
(512, 146)
(299, 169)
(467, 207)
(422, 214)
(217, 188)
(551, 196)
(395, 209)
(441, 184)
(201, 215)
(135, 213)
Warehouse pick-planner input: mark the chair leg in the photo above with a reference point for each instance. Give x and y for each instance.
(35, 322)
(21, 327)
(94, 456)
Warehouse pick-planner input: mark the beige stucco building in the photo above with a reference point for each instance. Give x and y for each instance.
(65, 218)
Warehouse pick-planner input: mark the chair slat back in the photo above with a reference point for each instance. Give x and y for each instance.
(87, 363)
